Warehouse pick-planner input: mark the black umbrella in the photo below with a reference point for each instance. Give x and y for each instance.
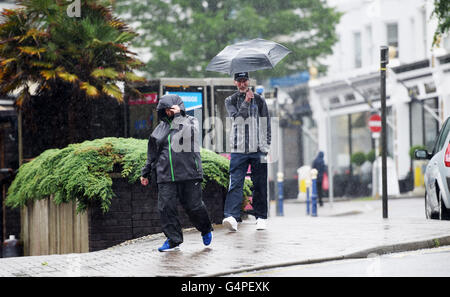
(248, 56)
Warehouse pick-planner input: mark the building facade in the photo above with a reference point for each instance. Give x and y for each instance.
(418, 83)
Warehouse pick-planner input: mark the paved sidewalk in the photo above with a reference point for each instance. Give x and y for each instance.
(346, 230)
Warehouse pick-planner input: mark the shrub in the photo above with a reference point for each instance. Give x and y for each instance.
(358, 158)
(370, 156)
(81, 172)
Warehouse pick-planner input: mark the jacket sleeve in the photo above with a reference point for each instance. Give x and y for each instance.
(265, 113)
(264, 126)
(149, 170)
(234, 112)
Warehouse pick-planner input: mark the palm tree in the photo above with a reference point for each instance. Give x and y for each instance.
(55, 64)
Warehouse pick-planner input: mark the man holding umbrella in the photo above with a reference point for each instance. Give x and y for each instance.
(250, 142)
(250, 133)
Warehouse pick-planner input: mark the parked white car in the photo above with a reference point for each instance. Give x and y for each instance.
(437, 175)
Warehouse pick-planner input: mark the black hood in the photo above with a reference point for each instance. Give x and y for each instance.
(167, 101)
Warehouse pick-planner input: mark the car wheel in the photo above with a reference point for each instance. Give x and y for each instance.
(444, 213)
(429, 214)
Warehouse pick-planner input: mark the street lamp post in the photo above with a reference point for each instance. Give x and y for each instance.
(384, 60)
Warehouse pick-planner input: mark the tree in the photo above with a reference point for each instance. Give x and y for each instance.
(184, 35)
(442, 13)
(56, 64)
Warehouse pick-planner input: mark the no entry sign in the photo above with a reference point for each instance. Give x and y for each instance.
(375, 123)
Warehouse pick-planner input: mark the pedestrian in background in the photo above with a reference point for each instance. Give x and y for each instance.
(250, 142)
(177, 171)
(319, 165)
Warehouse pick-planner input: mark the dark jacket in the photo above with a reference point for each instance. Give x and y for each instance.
(319, 164)
(173, 149)
(251, 123)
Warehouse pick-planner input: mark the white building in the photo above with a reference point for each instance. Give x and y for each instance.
(418, 83)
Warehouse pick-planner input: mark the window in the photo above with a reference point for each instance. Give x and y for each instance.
(413, 91)
(357, 47)
(424, 126)
(369, 44)
(334, 100)
(350, 97)
(431, 125)
(392, 37)
(430, 87)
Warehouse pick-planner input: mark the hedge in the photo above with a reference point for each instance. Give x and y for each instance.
(81, 172)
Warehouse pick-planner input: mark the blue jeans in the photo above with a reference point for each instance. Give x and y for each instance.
(238, 169)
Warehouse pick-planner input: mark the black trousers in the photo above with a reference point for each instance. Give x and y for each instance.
(189, 193)
(319, 191)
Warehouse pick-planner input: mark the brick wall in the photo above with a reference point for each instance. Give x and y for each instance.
(133, 213)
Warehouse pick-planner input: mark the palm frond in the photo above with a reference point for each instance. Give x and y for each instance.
(66, 76)
(48, 74)
(113, 91)
(90, 90)
(42, 64)
(31, 50)
(7, 61)
(105, 72)
(130, 76)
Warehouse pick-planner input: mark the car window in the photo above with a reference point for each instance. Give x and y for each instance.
(442, 137)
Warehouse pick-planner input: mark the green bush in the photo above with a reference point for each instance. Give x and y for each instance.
(358, 158)
(81, 172)
(370, 156)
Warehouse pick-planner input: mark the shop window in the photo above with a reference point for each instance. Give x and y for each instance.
(431, 125)
(416, 123)
(340, 143)
(424, 125)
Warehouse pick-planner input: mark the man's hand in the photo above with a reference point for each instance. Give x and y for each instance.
(144, 181)
(249, 95)
(175, 109)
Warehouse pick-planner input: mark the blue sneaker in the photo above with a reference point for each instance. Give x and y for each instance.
(167, 248)
(207, 238)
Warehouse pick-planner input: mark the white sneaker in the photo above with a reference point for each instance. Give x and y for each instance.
(261, 224)
(230, 223)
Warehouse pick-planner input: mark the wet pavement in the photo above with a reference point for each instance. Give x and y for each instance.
(348, 229)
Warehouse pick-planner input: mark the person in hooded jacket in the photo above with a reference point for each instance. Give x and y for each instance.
(174, 164)
(319, 164)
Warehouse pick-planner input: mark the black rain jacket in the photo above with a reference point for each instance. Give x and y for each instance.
(173, 148)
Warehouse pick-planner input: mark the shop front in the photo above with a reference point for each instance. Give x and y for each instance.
(417, 105)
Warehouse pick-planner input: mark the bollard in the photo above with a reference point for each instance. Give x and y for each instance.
(308, 196)
(307, 202)
(314, 192)
(280, 177)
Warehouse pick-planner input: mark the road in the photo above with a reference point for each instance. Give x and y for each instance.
(421, 263)
(425, 263)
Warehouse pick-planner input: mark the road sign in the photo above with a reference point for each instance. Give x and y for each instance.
(375, 123)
